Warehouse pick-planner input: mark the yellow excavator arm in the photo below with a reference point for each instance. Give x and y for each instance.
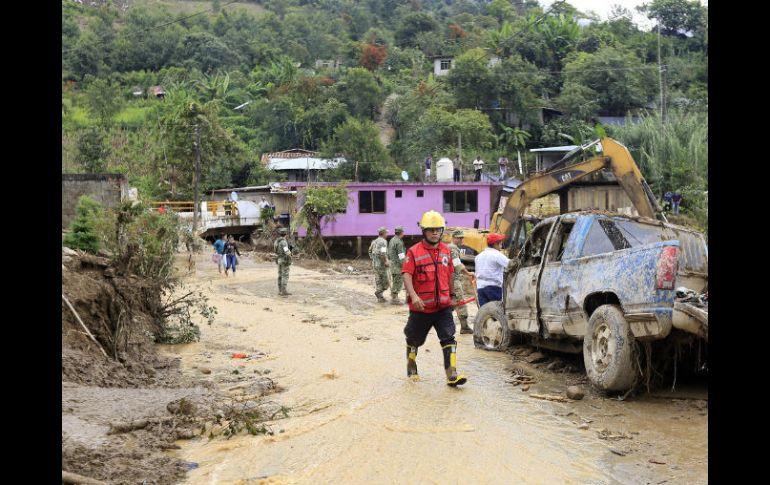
(615, 157)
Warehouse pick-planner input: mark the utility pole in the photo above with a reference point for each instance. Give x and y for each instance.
(460, 153)
(660, 81)
(196, 176)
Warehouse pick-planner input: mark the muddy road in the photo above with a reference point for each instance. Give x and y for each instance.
(354, 417)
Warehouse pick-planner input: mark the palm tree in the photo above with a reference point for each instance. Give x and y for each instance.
(515, 138)
(501, 41)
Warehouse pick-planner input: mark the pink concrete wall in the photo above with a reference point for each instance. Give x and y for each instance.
(406, 210)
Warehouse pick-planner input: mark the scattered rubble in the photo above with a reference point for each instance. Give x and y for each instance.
(550, 397)
(574, 392)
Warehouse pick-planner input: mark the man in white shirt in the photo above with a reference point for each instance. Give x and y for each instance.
(478, 164)
(490, 265)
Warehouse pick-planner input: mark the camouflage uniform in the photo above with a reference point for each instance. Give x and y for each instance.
(281, 248)
(396, 254)
(379, 247)
(457, 282)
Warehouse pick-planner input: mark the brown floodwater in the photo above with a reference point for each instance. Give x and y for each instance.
(355, 418)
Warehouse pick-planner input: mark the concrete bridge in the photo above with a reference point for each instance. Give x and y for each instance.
(216, 217)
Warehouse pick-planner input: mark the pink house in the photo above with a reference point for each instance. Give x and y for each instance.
(390, 204)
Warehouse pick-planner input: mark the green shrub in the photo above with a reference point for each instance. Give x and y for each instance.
(83, 233)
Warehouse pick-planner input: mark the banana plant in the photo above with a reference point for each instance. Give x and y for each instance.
(515, 138)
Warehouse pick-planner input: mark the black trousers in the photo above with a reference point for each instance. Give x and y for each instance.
(420, 323)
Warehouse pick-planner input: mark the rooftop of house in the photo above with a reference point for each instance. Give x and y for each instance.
(395, 184)
(291, 153)
(303, 163)
(565, 148)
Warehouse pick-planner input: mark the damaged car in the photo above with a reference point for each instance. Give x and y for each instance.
(601, 283)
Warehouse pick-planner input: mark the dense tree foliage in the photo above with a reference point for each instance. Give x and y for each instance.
(331, 75)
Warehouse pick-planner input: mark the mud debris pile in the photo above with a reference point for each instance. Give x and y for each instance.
(123, 405)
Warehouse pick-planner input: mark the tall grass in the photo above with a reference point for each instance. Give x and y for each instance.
(673, 156)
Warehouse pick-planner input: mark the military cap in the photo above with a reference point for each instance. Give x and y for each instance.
(382, 229)
(399, 229)
(458, 233)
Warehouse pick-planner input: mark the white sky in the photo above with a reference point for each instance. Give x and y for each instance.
(603, 7)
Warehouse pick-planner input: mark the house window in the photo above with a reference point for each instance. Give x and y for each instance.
(446, 64)
(461, 201)
(371, 202)
(420, 193)
(398, 194)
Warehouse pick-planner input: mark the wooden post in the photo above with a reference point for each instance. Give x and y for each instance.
(358, 247)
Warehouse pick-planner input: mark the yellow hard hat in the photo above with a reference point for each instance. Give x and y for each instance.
(432, 219)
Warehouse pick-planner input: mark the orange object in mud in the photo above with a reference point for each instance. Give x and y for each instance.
(239, 356)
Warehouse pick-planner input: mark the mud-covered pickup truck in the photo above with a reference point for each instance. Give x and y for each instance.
(604, 279)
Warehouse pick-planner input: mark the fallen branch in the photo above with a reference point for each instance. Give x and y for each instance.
(69, 305)
(126, 427)
(117, 428)
(171, 305)
(550, 397)
(74, 478)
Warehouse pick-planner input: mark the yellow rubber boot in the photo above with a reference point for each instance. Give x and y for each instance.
(411, 363)
(450, 364)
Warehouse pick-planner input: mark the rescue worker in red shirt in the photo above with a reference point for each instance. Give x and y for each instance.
(427, 272)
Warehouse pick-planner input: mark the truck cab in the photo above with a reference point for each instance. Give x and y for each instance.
(577, 264)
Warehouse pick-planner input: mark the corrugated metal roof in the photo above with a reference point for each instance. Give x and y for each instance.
(243, 189)
(565, 148)
(395, 184)
(303, 163)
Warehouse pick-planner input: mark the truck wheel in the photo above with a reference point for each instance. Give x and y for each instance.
(608, 350)
(490, 330)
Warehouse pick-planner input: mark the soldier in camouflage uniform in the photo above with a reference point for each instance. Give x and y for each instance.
(396, 254)
(378, 252)
(283, 258)
(457, 283)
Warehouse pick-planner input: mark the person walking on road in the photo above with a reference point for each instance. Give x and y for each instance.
(219, 247)
(378, 252)
(478, 166)
(457, 282)
(427, 275)
(490, 265)
(396, 255)
(283, 259)
(230, 253)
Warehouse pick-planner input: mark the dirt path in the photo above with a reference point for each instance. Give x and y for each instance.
(355, 418)
(385, 131)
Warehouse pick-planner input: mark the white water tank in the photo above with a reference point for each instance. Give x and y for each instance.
(445, 170)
